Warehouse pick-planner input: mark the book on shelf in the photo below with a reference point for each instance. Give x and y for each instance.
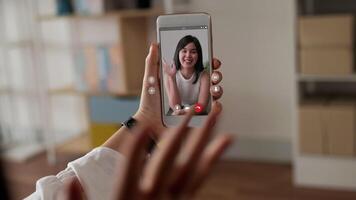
(91, 71)
(79, 71)
(94, 31)
(89, 7)
(58, 33)
(116, 83)
(95, 7)
(17, 73)
(59, 67)
(19, 115)
(15, 27)
(103, 65)
(99, 69)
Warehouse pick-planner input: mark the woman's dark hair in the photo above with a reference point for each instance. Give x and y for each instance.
(199, 64)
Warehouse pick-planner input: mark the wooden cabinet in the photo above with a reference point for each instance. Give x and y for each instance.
(325, 145)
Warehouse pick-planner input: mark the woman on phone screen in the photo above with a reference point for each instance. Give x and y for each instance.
(187, 81)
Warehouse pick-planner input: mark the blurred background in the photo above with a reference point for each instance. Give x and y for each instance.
(71, 71)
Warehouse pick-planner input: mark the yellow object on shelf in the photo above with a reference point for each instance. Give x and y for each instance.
(100, 132)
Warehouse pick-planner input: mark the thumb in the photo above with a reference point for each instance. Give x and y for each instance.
(151, 68)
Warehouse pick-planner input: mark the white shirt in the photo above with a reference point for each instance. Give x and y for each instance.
(188, 92)
(94, 171)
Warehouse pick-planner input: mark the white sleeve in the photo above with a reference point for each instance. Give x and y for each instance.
(94, 171)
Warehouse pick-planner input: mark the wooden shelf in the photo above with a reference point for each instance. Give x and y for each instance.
(20, 43)
(65, 91)
(16, 91)
(71, 46)
(133, 39)
(73, 91)
(327, 78)
(126, 13)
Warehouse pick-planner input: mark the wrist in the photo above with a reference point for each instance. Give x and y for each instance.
(172, 78)
(117, 140)
(156, 124)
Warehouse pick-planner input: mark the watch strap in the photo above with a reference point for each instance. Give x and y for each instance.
(129, 123)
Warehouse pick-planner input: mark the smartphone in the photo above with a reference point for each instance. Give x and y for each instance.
(185, 42)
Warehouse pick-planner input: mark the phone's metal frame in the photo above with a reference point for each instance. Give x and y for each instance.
(177, 20)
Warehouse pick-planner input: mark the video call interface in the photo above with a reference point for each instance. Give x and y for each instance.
(185, 69)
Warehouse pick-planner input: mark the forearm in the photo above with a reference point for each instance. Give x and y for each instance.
(174, 97)
(117, 140)
(204, 93)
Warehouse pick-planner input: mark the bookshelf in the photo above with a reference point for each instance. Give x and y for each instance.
(47, 46)
(132, 40)
(124, 34)
(19, 103)
(329, 161)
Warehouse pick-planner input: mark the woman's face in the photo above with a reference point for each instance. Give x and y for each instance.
(188, 56)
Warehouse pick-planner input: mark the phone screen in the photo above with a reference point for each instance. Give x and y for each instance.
(185, 65)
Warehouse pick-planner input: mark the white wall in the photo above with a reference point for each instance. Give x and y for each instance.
(255, 41)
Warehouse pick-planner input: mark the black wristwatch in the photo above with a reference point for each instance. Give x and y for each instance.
(129, 123)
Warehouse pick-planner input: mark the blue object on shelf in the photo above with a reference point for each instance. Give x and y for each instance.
(106, 109)
(103, 66)
(64, 7)
(81, 7)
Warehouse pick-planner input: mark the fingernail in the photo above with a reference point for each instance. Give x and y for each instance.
(215, 77)
(177, 107)
(216, 88)
(187, 108)
(219, 107)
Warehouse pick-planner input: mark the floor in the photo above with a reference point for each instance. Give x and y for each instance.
(231, 180)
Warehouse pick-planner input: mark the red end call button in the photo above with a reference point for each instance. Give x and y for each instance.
(198, 108)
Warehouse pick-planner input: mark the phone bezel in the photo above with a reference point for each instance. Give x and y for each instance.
(177, 20)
